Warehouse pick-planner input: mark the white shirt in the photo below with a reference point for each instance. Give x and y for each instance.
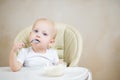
(29, 58)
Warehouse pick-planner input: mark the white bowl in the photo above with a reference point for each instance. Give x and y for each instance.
(56, 70)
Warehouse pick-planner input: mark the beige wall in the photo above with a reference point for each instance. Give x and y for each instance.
(97, 20)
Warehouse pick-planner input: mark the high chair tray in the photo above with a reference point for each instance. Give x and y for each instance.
(71, 73)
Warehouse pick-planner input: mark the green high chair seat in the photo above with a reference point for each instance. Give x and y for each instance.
(68, 42)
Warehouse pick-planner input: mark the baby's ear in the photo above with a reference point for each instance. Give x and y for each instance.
(52, 41)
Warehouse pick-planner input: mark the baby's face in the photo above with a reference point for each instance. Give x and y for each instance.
(41, 34)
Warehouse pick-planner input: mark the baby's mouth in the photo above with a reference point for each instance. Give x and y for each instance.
(36, 41)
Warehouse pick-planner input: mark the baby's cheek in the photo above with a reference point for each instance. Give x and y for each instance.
(31, 37)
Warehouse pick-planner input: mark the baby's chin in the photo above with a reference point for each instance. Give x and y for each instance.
(39, 46)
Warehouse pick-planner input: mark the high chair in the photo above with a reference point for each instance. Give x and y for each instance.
(68, 43)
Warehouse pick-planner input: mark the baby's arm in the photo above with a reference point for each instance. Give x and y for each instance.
(14, 64)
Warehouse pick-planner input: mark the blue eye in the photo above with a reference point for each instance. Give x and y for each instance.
(45, 34)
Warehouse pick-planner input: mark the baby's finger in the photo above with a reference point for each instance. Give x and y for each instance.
(21, 45)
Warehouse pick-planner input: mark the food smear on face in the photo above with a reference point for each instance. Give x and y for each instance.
(36, 41)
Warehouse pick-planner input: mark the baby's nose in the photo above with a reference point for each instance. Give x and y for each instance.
(38, 36)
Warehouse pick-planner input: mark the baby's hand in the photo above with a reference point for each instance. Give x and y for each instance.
(18, 46)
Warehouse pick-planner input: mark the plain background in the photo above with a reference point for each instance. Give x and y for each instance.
(98, 21)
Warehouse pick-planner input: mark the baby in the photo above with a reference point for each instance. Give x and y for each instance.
(42, 37)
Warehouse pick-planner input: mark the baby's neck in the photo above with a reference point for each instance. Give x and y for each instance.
(39, 50)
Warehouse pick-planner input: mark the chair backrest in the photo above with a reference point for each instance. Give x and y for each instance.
(68, 42)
